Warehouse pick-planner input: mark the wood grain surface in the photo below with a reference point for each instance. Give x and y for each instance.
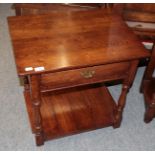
(62, 41)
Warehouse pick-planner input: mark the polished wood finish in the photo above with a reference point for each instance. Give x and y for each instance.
(78, 109)
(145, 7)
(140, 12)
(148, 89)
(136, 12)
(140, 16)
(79, 52)
(36, 103)
(78, 36)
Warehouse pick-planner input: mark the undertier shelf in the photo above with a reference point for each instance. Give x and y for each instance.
(74, 110)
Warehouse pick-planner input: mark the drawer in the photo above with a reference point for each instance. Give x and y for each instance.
(82, 76)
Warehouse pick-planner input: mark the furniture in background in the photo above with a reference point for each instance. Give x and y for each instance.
(65, 61)
(141, 19)
(46, 8)
(148, 89)
(138, 17)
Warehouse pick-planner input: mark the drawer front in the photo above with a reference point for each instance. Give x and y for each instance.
(84, 76)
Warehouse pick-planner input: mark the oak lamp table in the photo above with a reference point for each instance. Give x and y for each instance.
(65, 60)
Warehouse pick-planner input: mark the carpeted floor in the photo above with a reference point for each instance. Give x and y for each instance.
(15, 132)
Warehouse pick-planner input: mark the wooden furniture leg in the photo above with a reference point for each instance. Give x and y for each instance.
(149, 96)
(149, 71)
(36, 101)
(149, 114)
(26, 83)
(125, 88)
(148, 89)
(18, 10)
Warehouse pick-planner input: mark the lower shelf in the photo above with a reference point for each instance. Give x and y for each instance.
(74, 110)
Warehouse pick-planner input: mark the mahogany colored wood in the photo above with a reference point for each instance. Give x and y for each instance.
(69, 37)
(136, 12)
(148, 89)
(144, 7)
(125, 88)
(76, 110)
(36, 103)
(140, 12)
(79, 51)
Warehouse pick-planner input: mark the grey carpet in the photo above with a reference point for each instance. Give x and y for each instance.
(15, 132)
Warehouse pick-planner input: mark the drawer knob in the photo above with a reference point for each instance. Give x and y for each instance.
(87, 74)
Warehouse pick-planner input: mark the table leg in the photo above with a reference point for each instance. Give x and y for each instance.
(149, 114)
(36, 101)
(149, 70)
(26, 83)
(150, 111)
(122, 99)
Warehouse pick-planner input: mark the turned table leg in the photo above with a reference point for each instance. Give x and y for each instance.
(36, 101)
(125, 88)
(120, 106)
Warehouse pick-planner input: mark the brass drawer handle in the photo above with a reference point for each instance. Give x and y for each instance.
(138, 26)
(87, 74)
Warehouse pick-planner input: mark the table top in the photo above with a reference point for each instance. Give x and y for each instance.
(62, 41)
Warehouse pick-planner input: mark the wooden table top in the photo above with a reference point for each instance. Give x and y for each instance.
(62, 41)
